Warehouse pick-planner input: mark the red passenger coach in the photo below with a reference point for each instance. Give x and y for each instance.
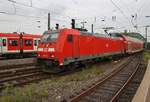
(30, 43)
(13, 43)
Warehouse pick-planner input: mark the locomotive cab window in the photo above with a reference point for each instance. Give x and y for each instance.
(28, 42)
(13, 42)
(4, 42)
(49, 36)
(70, 38)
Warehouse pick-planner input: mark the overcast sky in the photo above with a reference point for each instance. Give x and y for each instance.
(30, 16)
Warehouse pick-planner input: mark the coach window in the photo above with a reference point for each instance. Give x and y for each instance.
(4, 42)
(13, 42)
(35, 42)
(70, 38)
(28, 42)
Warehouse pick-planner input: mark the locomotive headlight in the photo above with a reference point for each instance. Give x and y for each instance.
(51, 49)
(52, 56)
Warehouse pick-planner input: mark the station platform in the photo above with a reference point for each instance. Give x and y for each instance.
(143, 92)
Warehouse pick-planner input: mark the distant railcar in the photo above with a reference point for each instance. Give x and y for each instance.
(13, 43)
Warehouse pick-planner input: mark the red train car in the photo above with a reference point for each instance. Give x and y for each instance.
(13, 43)
(133, 45)
(70, 45)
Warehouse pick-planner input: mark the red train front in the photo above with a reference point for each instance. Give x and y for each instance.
(67, 46)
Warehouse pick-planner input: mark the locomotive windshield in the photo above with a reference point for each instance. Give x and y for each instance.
(49, 36)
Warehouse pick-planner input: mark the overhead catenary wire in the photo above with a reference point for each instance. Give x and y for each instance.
(21, 15)
(29, 16)
(133, 14)
(145, 5)
(31, 6)
(122, 12)
(37, 17)
(127, 7)
(142, 6)
(45, 17)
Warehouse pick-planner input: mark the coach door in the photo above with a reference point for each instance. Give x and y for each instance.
(13, 45)
(21, 43)
(28, 45)
(1, 44)
(4, 45)
(74, 44)
(36, 42)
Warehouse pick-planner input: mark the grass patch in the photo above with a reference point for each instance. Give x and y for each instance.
(146, 56)
(40, 91)
(85, 74)
(29, 93)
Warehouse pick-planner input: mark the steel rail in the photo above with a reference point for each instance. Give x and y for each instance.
(94, 86)
(126, 83)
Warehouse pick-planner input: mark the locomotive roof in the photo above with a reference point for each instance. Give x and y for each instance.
(94, 34)
(85, 33)
(51, 32)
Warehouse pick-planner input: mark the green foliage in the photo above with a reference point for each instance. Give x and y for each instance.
(146, 56)
(28, 94)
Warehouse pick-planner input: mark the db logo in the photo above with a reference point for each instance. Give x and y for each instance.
(107, 45)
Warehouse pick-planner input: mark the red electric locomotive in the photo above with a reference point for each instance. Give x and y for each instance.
(66, 46)
(13, 43)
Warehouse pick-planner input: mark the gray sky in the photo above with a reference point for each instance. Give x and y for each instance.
(22, 16)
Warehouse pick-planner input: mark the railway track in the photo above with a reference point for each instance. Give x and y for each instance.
(130, 90)
(111, 87)
(21, 75)
(9, 64)
(13, 58)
